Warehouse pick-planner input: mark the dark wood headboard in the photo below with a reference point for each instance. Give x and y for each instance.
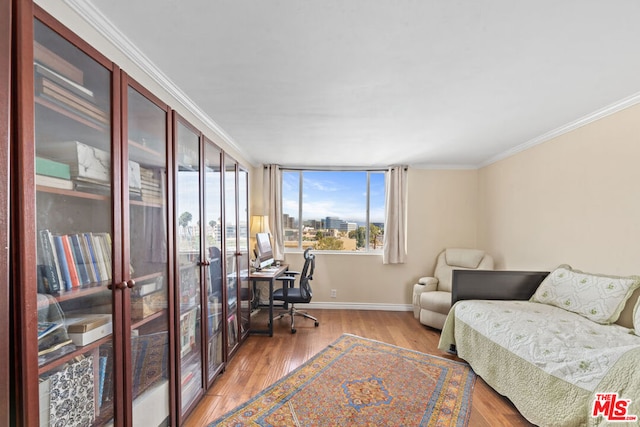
(495, 284)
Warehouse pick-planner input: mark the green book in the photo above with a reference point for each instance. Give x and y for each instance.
(52, 168)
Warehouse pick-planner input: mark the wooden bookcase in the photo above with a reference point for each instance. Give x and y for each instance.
(113, 291)
(5, 144)
(207, 236)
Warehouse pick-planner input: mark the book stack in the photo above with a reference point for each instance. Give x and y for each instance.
(84, 329)
(62, 84)
(53, 174)
(151, 185)
(72, 261)
(90, 167)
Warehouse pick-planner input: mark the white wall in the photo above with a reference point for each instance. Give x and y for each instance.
(442, 213)
(574, 199)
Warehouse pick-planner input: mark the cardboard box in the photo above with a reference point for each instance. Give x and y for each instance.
(147, 305)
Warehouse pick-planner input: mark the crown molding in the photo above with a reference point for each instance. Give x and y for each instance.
(92, 15)
(585, 120)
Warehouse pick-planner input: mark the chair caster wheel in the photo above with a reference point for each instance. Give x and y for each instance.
(293, 331)
(317, 324)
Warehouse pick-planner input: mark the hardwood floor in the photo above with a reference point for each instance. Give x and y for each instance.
(263, 360)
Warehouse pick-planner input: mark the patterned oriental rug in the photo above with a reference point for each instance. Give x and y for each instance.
(360, 382)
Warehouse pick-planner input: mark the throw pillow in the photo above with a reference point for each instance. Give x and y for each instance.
(597, 297)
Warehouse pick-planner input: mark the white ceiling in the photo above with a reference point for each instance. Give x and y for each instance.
(435, 83)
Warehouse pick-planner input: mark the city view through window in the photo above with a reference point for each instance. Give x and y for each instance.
(340, 210)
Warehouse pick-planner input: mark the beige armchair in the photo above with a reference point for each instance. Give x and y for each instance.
(432, 295)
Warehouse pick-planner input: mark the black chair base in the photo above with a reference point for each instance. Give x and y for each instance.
(293, 312)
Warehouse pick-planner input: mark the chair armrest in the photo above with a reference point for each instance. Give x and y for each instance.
(426, 284)
(285, 278)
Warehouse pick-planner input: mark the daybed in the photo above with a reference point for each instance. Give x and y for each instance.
(552, 354)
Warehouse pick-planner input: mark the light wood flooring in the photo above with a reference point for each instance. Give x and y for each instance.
(262, 360)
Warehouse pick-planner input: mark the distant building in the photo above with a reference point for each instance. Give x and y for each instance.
(332, 223)
(348, 226)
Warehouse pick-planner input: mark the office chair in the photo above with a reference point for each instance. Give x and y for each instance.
(302, 294)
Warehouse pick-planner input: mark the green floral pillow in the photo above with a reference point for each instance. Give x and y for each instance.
(597, 297)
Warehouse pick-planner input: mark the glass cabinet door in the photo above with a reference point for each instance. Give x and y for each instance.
(243, 250)
(188, 243)
(75, 239)
(213, 252)
(148, 258)
(231, 250)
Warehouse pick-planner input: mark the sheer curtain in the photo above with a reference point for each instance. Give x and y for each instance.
(272, 200)
(395, 216)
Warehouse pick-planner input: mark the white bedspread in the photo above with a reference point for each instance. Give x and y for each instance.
(562, 344)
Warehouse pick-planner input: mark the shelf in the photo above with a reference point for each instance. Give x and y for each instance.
(88, 290)
(154, 316)
(144, 204)
(72, 193)
(145, 155)
(70, 114)
(77, 352)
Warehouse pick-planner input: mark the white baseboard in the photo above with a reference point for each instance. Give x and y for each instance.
(356, 306)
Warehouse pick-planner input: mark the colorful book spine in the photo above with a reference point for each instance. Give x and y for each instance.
(81, 266)
(102, 373)
(73, 272)
(97, 249)
(92, 255)
(62, 258)
(50, 272)
(56, 261)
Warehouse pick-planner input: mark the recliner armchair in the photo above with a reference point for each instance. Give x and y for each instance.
(432, 295)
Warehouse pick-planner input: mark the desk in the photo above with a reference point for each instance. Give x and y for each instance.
(267, 275)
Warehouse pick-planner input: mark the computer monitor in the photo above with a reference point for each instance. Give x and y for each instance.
(264, 251)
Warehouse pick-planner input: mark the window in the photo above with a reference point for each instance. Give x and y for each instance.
(340, 210)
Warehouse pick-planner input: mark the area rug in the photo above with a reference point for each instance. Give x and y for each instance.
(360, 382)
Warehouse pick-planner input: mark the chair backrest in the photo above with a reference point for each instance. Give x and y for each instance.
(307, 275)
(459, 259)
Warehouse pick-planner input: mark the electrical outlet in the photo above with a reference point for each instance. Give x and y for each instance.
(334, 293)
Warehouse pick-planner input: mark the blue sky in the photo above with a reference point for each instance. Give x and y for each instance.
(334, 193)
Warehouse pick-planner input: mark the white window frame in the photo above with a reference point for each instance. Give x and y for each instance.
(367, 250)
